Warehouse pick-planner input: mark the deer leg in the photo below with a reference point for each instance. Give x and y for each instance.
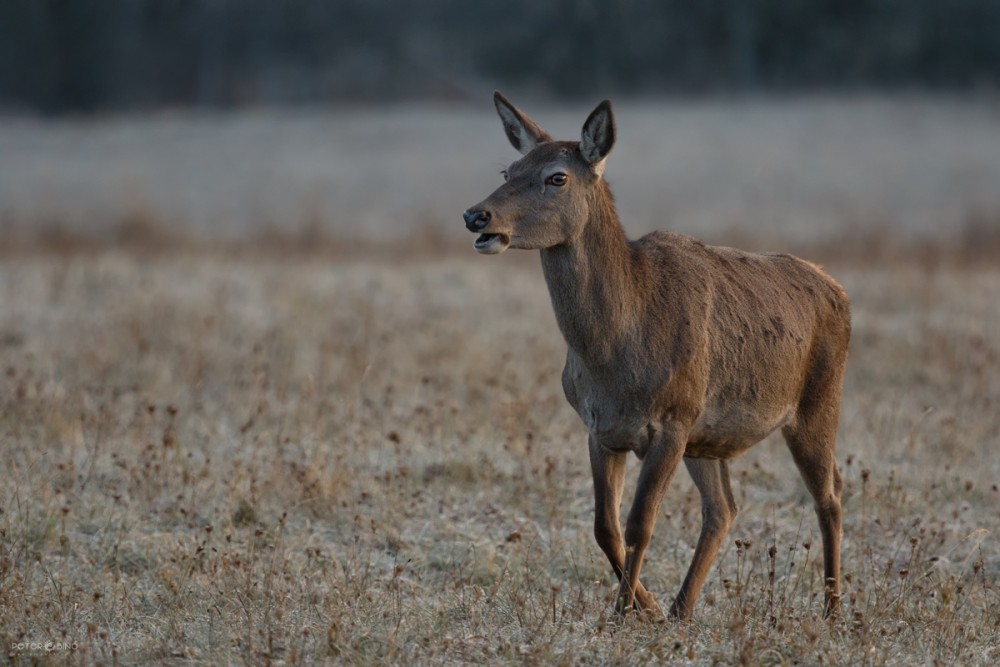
(718, 509)
(608, 469)
(609, 478)
(812, 447)
(658, 468)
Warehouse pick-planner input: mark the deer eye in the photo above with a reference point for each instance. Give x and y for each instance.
(557, 179)
(506, 176)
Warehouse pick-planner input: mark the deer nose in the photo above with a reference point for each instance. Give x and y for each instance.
(476, 220)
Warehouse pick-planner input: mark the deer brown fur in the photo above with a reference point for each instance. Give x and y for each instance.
(678, 350)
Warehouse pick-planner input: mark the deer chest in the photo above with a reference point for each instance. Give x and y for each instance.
(618, 417)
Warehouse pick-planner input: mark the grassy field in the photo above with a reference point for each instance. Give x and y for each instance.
(218, 457)
(261, 403)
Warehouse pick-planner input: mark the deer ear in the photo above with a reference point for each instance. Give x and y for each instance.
(522, 132)
(598, 136)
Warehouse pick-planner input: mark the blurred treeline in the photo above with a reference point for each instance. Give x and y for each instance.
(86, 55)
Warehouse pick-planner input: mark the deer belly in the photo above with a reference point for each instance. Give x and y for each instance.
(727, 433)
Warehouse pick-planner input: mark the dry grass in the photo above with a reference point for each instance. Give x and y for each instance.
(223, 458)
(342, 439)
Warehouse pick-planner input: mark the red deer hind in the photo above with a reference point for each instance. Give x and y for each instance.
(678, 350)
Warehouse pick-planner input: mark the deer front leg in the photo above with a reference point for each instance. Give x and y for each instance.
(658, 468)
(608, 469)
(718, 508)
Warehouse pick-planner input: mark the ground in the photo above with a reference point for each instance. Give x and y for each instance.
(260, 402)
(291, 456)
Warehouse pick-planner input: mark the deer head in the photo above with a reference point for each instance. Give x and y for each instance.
(546, 198)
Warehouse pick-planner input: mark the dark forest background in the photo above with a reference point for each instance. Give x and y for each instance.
(61, 56)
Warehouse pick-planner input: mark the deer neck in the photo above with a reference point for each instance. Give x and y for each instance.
(593, 284)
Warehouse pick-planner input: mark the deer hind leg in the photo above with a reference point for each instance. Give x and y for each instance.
(812, 441)
(718, 509)
(658, 468)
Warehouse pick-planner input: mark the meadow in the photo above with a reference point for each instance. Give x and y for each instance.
(299, 443)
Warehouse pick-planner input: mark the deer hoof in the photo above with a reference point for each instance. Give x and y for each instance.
(643, 607)
(648, 607)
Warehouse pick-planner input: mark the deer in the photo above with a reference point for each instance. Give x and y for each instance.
(676, 351)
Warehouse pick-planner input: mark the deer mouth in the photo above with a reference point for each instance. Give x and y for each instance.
(491, 244)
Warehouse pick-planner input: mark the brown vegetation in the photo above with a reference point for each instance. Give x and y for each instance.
(232, 456)
(245, 368)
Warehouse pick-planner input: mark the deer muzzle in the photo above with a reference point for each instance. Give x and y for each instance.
(486, 244)
(476, 221)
